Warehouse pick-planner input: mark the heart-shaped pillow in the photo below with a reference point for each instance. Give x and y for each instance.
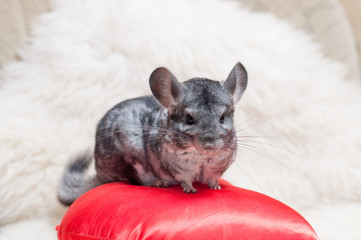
(122, 211)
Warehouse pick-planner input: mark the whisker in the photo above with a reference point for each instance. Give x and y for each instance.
(255, 124)
(239, 124)
(259, 122)
(253, 149)
(107, 135)
(146, 128)
(266, 137)
(269, 144)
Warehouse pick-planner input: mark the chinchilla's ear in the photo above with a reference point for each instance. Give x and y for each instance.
(165, 87)
(236, 82)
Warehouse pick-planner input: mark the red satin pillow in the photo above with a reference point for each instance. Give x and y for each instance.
(123, 211)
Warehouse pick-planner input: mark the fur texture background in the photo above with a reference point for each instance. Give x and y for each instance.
(85, 56)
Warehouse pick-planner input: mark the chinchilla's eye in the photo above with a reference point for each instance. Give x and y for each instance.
(221, 120)
(190, 120)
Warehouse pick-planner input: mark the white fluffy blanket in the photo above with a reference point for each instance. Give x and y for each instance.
(299, 118)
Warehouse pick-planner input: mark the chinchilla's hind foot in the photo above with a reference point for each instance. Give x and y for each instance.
(161, 183)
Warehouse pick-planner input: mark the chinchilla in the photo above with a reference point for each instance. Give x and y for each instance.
(182, 134)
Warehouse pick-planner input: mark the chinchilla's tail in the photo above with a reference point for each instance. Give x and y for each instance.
(75, 182)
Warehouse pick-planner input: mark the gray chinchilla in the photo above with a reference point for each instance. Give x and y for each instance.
(182, 134)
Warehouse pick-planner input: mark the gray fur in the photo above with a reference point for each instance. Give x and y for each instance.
(184, 133)
(74, 182)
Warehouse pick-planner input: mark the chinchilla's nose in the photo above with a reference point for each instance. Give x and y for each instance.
(210, 141)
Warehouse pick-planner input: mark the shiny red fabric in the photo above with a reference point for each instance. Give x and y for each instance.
(123, 211)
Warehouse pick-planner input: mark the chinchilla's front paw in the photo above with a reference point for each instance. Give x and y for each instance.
(217, 187)
(214, 185)
(188, 188)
